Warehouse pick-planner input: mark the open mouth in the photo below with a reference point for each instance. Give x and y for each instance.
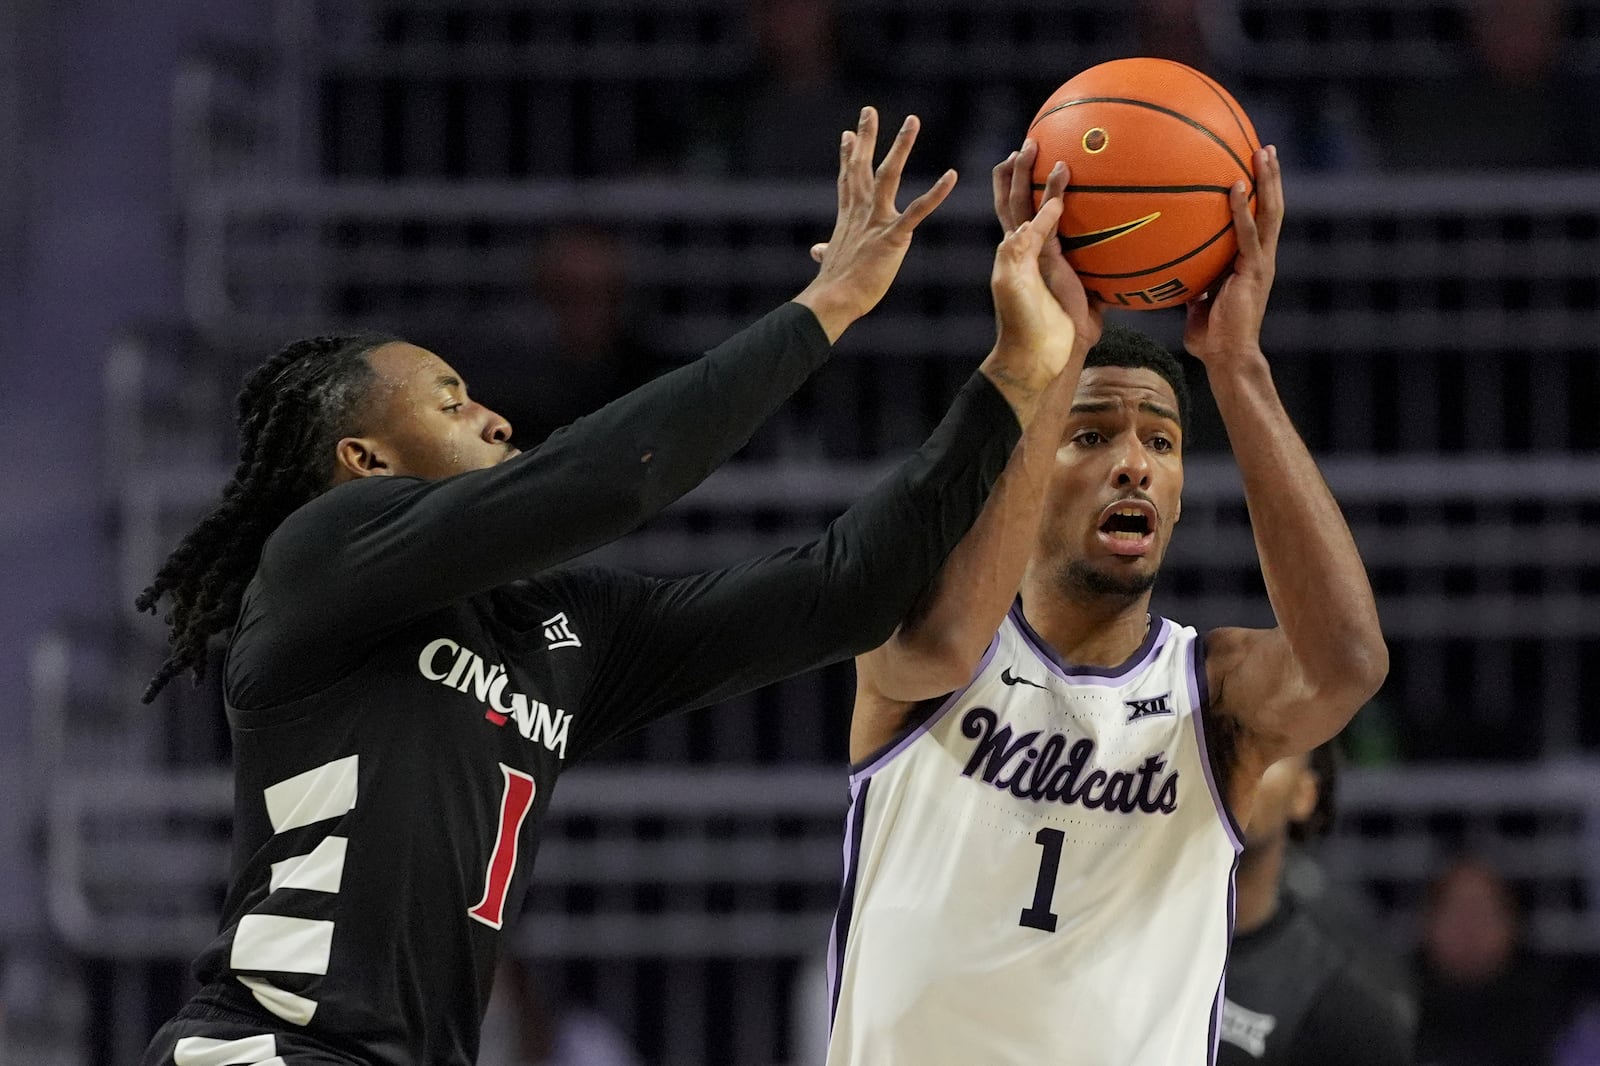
(1128, 527)
(1126, 524)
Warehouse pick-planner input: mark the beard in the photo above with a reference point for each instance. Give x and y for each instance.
(1083, 583)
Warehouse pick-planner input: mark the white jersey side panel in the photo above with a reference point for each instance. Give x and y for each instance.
(1041, 873)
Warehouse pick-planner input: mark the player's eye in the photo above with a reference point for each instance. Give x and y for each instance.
(453, 407)
(1161, 444)
(1089, 438)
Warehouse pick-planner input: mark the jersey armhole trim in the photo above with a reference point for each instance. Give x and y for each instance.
(1200, 700)
(838, 937)
(915, 725)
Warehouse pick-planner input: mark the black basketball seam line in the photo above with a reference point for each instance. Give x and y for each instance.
(1151, 270)
(1205, 80)
(1185, 119)
(1163, 110)
(1224, 189)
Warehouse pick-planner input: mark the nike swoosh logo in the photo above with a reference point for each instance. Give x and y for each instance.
(1073, 243)
(1007, 677)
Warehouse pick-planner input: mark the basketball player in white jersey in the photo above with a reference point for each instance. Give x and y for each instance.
(1047, 787)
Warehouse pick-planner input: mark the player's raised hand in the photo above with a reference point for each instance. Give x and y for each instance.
(1227, 326)
(1035, 336)
(1013, 205)
(870, 235)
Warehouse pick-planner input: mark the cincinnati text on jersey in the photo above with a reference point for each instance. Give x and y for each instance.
(1038, 777)
(460, 668)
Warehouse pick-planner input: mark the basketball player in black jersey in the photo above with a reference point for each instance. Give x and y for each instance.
(409, 671)
(1300, 993)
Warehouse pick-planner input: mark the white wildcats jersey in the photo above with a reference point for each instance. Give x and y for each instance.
(1041, 872)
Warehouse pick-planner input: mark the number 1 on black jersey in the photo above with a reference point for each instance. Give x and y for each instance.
(515, 800)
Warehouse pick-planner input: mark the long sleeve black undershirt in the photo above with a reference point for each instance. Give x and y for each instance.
(686, 643)
(366, 558)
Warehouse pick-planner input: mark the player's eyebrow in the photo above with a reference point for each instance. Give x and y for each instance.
(1158, 410)
(1093, 407)
(447, 381)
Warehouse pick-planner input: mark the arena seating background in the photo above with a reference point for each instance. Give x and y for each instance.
(398, 162)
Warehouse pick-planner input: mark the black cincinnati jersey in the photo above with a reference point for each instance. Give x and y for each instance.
(410, 675)
(1297, 997)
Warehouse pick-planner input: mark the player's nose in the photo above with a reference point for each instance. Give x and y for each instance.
(1132, 467)
(496, 430)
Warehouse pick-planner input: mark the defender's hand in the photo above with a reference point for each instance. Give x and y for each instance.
(1012, 179)
(1226, 329)
(870, 237)
(1036, 337)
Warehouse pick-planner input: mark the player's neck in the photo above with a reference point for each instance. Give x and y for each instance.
(1256, 887)
(1098, 633)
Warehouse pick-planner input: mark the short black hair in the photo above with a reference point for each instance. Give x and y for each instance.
(1121, 346)
(1323, 760)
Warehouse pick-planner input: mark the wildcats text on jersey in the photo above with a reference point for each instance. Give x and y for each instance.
(1039, 777)
(450, 664)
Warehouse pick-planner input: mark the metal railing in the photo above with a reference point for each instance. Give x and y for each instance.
(1395, 41)
(414, 88)
(1415, 265)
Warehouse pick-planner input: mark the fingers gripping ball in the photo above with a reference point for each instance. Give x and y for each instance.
(1153, 147)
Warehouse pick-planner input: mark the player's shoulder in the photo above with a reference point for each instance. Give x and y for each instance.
(1225, 645)
(308, 531)
(359, 495)
(600, 595)
(585, 579)
(1220, 652)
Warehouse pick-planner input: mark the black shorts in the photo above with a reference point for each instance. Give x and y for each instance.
(190, 1040)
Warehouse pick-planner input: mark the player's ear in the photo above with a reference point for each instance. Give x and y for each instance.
(360, 457)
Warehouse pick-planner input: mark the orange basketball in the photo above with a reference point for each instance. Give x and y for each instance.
(1154, 147)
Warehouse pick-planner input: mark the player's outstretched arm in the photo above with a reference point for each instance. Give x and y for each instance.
(403, 548)
(1293, 687)
(937, 648)
(681, 644)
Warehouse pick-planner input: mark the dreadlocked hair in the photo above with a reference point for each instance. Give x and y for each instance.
(292, 410)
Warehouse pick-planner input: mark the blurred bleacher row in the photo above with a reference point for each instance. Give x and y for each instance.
(396, 164)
